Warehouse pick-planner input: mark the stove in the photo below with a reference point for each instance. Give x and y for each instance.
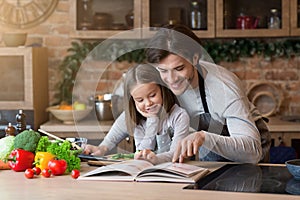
(249, 178)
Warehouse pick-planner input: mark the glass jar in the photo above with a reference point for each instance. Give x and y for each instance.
(85, 11)
(21, 121)
(10, 130)
(274, 20)
(195, 15)
(129, 17)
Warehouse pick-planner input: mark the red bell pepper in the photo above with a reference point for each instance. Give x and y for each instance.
(20, 160)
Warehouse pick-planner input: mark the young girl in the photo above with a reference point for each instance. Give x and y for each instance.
(151, 115)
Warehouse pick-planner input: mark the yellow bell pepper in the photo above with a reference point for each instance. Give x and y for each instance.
(41, 159)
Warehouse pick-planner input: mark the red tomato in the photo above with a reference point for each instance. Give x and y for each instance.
(75, 173)
(37, 170)
(46, 173)
(29, 173)
(57, 167)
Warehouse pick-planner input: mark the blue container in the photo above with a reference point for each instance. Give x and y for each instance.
(294, 168)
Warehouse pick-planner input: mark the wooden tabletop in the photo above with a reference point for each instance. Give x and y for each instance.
(13, 185)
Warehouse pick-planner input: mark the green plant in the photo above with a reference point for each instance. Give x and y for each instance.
(232, 50)
(69, 67)
(115, 50)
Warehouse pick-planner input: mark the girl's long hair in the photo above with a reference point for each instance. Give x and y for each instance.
(141, 74)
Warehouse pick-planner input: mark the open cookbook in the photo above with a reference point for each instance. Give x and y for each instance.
(144, 171)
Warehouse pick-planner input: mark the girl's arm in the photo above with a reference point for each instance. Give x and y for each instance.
(181, 122)
(116, 134)
(144, 134)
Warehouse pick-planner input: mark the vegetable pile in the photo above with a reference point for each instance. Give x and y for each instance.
(36, 154)
(62, 150)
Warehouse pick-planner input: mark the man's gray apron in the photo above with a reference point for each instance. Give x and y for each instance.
(207, 123)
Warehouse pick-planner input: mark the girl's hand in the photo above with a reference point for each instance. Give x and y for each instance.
(95, 150)
(147, 155)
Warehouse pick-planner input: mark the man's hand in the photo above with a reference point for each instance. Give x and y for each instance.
(188, 146)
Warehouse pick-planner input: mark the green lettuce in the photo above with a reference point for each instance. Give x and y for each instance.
(6, 146)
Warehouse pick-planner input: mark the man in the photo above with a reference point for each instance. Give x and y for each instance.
(227, 125)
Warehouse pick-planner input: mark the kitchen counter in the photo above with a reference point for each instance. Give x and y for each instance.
(90, 129)
(94, 130)
(275, 125)
(13, 185)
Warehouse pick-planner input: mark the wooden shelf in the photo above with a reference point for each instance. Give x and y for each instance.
(25, 82)
(214, 24)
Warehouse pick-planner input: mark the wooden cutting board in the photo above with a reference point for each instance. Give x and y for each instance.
(99, 162)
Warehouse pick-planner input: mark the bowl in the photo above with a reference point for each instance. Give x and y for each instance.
(294, 167)
(293, 187)
(14, 39)
(103, 107)
(69, 116)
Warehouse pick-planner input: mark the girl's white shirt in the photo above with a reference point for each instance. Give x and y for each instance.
(145, 134)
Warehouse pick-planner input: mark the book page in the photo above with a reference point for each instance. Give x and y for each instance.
(172, 172)
(182, 169)
(170, 178)
(126, 170)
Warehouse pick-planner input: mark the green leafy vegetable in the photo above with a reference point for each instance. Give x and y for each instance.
(62, 150)
(123, 156)
(44, 142)
(6, 146)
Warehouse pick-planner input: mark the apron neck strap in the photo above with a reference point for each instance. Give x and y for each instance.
(202, 89)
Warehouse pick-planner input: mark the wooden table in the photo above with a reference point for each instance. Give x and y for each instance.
(13, 185)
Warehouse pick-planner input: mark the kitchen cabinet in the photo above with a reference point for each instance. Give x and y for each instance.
(157, 13)
(147, 13)
(219, 18)
(24, 84)
(295, 17)
(106, 19)
(241, 18)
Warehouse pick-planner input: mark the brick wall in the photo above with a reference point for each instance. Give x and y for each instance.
(54, 34)
(283, 73)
